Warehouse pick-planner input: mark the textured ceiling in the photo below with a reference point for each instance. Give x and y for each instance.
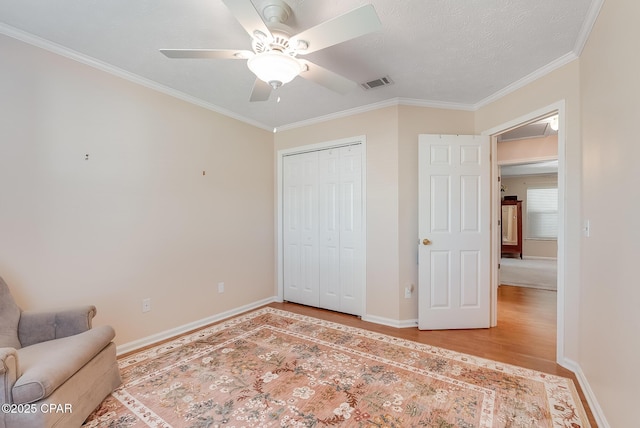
(456, 53)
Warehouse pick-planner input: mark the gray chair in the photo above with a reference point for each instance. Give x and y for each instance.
(55, 369)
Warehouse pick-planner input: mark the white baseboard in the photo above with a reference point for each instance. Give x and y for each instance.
(168, 334)
(598, 414)
(538, 258)
(390, 322)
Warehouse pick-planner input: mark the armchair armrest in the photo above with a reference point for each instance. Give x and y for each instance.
(8, 373)
(40, 326)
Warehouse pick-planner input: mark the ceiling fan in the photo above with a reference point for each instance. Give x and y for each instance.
(275, 49)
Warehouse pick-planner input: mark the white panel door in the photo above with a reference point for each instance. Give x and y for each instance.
(323, 263)
(300, 229)
(340, 240)
(351, 251)
(454, 227)
(329, 228)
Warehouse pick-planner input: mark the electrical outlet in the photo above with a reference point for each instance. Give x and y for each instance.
(221, 287)
(408, 292)
(146, 305)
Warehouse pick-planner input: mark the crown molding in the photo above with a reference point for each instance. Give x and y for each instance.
(541, 72)
(55, 48)
(587, 26)
(338, 115)
(435, 104)
(392, 102)
(583, 36)
(589, 22)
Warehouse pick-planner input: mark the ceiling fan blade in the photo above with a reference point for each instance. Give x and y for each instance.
(261, 91)
(327, 78)
(350, 25)
(248, 16)
(207, 53)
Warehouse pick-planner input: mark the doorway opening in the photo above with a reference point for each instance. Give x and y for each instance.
(542, 118)
(529, 221)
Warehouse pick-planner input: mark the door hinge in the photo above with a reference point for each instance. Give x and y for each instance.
(499, 178)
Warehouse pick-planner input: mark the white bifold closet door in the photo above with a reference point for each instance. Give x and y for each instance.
(322, 207)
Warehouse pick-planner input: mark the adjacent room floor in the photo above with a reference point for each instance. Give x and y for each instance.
(534, 273)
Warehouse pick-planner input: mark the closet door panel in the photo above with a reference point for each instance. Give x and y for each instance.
(329, 230)
(301, 229)
(351, 262)
(323, 261)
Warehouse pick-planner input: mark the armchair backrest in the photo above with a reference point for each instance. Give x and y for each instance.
(9, 318)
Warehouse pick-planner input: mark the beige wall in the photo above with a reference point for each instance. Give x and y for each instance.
(517, 186)
(392, 207)
(559, 85)
(380, 128)
(527, 150)
(610, 296)
(138, 219)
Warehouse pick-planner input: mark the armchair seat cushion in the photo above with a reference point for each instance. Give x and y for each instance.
(47, 365)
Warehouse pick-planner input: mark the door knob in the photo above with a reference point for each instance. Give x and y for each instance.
(425, 241)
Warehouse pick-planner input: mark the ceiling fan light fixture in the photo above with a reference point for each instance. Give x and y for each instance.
(275, 68)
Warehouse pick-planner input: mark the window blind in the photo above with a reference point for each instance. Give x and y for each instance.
(542, 213)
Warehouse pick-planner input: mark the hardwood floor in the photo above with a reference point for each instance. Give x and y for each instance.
(525, 334)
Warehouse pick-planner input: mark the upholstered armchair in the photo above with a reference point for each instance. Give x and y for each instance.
(55, 369)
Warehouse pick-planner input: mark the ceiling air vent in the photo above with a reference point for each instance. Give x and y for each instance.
(377, 83)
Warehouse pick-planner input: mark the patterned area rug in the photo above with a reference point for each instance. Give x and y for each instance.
(272, 368)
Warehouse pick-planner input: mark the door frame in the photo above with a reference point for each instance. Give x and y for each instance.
(559, 108)
(280, 155)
